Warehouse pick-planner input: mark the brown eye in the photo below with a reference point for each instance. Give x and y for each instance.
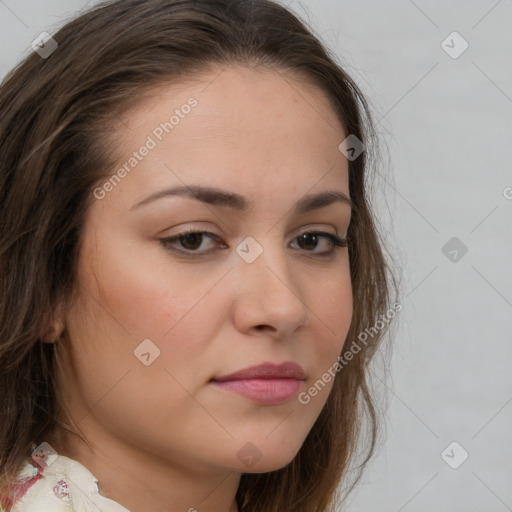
(189, 241)
(309, 241)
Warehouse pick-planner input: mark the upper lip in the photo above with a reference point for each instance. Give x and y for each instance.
(288, 370)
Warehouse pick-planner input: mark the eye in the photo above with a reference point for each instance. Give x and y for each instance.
(308, 238)
(191, 240)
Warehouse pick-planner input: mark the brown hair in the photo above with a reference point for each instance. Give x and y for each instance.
(53, 151)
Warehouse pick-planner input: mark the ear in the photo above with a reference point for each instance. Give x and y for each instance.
(54, 325)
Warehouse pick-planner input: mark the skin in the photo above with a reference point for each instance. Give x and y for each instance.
(162, 437)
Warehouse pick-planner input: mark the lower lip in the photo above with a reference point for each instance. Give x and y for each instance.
(263, 391)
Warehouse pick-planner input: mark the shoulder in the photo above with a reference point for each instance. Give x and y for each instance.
(62, 485)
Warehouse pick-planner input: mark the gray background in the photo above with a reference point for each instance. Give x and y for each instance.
(447, 125)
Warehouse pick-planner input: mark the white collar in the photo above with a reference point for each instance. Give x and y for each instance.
(66, 485)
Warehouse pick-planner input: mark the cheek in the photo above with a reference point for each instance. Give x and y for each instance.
(146, 295)
(335, 305)
(124, 302)
(142, 289)
(332, 306)
(331, 311)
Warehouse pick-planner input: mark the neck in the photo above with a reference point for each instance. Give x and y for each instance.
(140, 480)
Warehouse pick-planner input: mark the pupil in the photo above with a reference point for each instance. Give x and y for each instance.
(191, 237)
(309, 236)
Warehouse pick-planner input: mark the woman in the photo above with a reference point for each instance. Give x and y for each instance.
(188, 264)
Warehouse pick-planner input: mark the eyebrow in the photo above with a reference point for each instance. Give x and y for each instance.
(219, 197)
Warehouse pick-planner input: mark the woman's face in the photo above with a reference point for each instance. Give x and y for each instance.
(156, 323)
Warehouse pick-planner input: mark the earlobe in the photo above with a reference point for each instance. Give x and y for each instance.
(55, 327)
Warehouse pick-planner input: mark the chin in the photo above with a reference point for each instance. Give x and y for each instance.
(265, 456)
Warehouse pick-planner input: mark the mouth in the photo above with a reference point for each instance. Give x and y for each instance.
(266, 384)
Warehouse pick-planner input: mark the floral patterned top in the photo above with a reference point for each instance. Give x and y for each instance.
(58, 485)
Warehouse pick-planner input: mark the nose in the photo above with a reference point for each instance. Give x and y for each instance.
(268, 296)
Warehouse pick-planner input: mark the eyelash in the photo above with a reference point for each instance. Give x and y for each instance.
(335, 240)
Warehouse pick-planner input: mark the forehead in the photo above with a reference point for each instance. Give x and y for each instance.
(249, 128)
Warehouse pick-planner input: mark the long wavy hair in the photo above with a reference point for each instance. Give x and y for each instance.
(55, 112)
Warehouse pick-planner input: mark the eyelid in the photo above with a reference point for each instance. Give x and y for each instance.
(208, 229)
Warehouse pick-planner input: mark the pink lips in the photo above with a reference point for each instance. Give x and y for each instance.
(265, 383)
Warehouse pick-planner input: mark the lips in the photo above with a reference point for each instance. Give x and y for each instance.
(288, 370)
(264, 384)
